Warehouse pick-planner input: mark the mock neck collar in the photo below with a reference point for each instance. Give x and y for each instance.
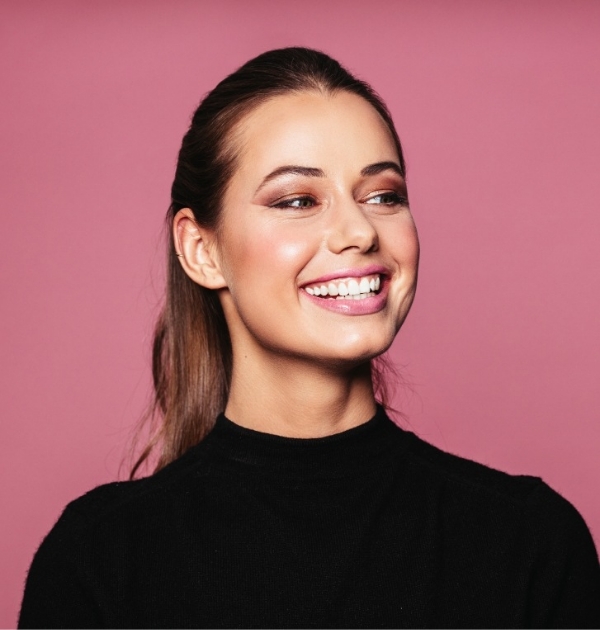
(341, 452)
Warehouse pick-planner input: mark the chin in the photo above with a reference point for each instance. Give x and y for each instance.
(351, 355)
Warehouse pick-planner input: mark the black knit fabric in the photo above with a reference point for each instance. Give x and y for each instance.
(367, 528)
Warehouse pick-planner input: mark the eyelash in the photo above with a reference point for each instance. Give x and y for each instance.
(396, 200)
(287, 203)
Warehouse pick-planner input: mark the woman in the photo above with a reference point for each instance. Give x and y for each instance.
(292, 266)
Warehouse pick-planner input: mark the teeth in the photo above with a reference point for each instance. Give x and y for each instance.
(353, 288)
(362, 296)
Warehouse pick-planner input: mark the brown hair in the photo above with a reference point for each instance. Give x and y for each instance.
(192, 355)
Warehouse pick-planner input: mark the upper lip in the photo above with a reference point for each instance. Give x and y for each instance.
(349, 273)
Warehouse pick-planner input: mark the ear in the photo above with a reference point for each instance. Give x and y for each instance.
(197, 251)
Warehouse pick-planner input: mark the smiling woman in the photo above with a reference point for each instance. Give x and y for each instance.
(283, 495)
(318, 196)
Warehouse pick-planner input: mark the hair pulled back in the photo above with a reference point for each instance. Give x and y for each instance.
(192, 355)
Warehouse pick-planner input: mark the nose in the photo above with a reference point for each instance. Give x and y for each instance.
(350, 228)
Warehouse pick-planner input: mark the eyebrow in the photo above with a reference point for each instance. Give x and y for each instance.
(305, 171)
(379, 167)
(308, 171)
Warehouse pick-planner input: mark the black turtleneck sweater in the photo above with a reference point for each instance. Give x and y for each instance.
(371, 527)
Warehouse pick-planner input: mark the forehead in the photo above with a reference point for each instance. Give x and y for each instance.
(339, 131)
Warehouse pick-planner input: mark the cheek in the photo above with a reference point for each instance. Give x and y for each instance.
(271, 255)
(290, 252)
(402, 244)
(411, 243)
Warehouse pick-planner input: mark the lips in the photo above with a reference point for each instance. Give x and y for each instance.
(350, 291)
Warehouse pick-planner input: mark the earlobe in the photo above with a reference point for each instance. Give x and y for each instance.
(197, 251)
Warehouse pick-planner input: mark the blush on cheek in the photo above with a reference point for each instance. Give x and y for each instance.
(275, 255)
(288, 251)
(403, 244)
(282, 252)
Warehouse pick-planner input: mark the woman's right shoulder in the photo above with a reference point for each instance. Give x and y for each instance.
(122, 499)
(99, 502)
(92, 535)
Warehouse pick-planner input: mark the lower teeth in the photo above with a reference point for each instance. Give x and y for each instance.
(361, 296)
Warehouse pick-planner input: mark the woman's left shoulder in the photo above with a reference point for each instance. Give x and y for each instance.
(471, 481)
(566, 561)
(547, 506)
(518, 502)
(514, 526)
(521, 519)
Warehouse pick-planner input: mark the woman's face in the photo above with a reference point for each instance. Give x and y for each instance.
(317, 246)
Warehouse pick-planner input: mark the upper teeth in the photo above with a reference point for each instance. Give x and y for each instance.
(347, 287)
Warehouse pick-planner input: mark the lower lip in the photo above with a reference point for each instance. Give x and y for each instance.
(365, 306)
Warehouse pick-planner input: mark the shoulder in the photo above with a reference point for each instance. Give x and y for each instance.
(523, 501)
(87, 550)
(124, 501)
(518, 520)
(468, 477)
(472, 488)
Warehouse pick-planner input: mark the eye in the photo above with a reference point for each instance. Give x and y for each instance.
(387, 199)
(299, 203)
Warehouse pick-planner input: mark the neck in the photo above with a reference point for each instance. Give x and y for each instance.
(294, 399)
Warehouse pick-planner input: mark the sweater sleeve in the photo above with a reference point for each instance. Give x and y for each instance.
(565, 588)
(57, 595)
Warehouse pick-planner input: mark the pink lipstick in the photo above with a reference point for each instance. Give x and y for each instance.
(350, 291)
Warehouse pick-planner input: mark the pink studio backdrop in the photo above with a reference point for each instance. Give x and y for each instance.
(497, 105)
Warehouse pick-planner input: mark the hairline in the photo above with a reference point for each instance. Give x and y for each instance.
(230, 152)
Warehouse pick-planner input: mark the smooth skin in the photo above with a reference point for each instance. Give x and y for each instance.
(301, 370)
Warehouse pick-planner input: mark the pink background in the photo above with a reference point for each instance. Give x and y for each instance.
(497, 104)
